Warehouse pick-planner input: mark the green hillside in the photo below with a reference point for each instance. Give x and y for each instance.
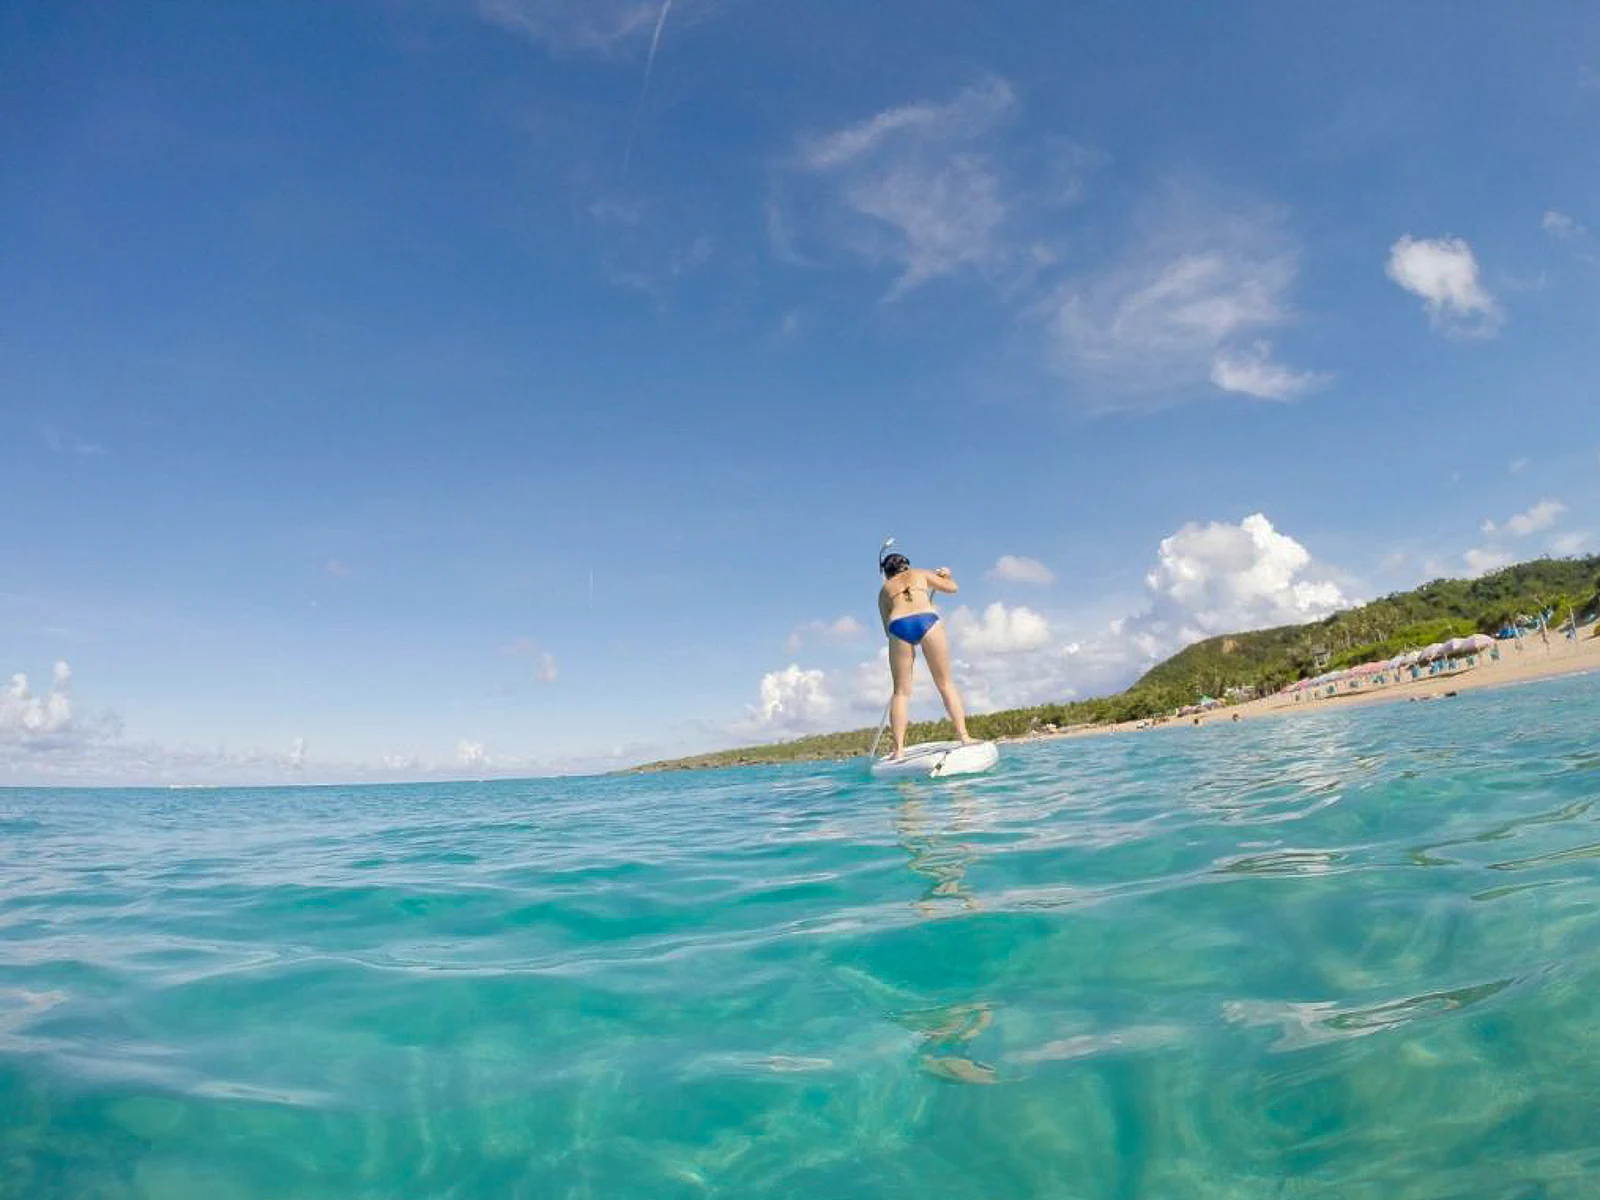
(1265, 659)
(1270, 658)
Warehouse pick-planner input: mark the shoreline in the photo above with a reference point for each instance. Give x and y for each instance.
(1531, 663)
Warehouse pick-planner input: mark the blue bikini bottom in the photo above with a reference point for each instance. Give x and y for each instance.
(914, 628)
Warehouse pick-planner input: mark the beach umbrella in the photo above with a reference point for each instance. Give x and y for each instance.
(1481, 641)
(1459, 645)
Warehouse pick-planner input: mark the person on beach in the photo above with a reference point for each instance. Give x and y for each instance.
(905, 604)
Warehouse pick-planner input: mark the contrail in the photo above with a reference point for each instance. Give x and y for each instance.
(644, 88)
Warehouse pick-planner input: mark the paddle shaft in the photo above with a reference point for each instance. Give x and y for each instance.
(882, 725)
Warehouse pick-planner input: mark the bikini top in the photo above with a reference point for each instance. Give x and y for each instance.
(907, 589)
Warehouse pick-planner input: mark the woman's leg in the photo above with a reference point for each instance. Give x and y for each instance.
(902, 659)
(936, 651)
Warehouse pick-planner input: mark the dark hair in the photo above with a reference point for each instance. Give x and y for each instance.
(894, 564)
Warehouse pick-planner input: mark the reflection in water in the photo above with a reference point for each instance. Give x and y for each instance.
(935, 855)
(1309, 1024)
(1424, 856)
(944, 1031)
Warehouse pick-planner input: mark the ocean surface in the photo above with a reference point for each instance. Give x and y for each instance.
(1352, 955)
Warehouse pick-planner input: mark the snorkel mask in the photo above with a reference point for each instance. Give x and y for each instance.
(890, 550)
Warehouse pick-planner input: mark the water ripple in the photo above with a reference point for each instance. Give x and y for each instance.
(1349, 954)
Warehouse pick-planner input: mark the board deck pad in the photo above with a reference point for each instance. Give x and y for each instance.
(939, 760)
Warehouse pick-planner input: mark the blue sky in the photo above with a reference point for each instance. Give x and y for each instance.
(411, 387)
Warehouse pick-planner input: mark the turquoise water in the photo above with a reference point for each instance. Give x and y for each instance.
(1355, 954)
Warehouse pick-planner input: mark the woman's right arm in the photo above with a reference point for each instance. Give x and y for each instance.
(941, 580)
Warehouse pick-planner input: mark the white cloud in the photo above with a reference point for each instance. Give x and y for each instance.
(1185, 307)
(46, 739)
(1253, 373)
(61, 443)
(604, 27)
(1000, 630)
(1052, 673)
(1537, 519)
(926, 189)
(1208, 579)
(1480, 560)
(1562, 227)
(546, 670)
(1219, 578)
(841, 629)
(1517, 466)
(1444, 272)
(25, 717)
(1015, 568)
(972, 113)
(913, 187)
(654, 264)
(1488, 527)
(336, 568)
(866, 685)
(794, 700)
(1566, 544)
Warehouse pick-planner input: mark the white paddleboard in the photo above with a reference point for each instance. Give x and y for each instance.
(938, 760)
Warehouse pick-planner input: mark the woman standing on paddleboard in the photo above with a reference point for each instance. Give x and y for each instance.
(905, 603)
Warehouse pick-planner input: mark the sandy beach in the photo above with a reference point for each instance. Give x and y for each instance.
(1535, 660)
